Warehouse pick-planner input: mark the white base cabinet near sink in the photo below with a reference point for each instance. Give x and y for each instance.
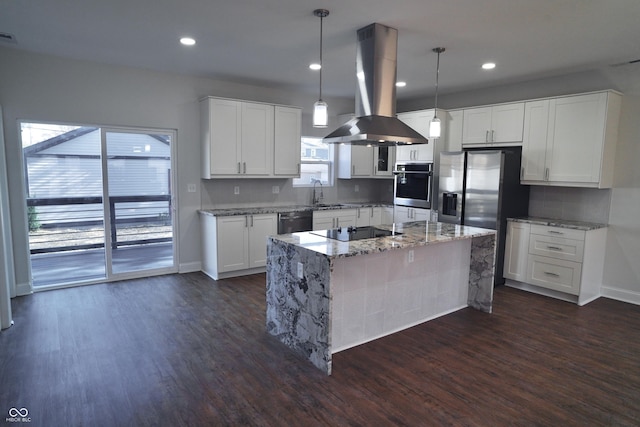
(558, 262)
(334, 218)
(236, 245)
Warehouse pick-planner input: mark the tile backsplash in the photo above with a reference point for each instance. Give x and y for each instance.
(576, 204)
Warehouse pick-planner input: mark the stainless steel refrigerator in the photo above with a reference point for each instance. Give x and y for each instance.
(481, 188)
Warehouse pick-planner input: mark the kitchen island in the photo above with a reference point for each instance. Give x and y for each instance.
(324, 295)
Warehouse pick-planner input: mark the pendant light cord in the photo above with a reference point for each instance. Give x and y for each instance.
(438, 50)
(321, 20)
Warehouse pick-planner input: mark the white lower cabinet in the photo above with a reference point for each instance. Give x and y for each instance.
(407, 214)
(334, 218)
(235, 245)
(368, 216)
(569, 262)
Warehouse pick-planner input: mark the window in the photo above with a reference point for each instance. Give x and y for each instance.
(316, 163)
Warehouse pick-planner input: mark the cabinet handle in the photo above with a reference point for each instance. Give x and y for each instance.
(246, 221)
(371, 212)
(358, 212)
(252, 221)
(554, 232)
(521, 173)
(353, 169)
(375, 169)
(486, 137)
(546, 174)
(555, 248)
(298, 168)
(493, 137)
(238, 167)
(337, 222)
(244, 165)
(548, 273)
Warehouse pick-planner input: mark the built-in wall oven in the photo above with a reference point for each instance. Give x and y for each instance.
(413, 184)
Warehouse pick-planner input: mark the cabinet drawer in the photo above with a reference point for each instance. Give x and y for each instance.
(556, 247)
(556, 274)
(567, 233)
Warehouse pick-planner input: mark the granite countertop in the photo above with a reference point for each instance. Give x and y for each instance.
(575, 225)
(418, 233)
(281, 209)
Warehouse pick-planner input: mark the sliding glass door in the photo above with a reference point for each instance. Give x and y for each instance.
(99, 203)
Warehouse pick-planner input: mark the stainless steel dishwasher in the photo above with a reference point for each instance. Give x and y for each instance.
(291, 222)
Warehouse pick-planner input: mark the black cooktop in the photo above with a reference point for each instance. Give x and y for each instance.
(346, 234)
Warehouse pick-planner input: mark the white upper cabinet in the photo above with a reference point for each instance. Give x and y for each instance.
(287, 141)
(419, 121)
(497, 124)
(453, 133)
(571, 141)
(355, 161)
(249, 139)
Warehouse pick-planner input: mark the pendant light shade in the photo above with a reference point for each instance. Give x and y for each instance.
(434, 127)
(320, 108)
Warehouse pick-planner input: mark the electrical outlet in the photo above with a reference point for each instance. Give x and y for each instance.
(236, 189)
(300, 270)
(191, 188)
(275, 189)
(410, 260)
(356, 188)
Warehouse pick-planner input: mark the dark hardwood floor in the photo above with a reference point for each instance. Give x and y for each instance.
(186, 350)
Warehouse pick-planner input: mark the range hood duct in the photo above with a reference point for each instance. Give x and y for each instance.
(375, 122)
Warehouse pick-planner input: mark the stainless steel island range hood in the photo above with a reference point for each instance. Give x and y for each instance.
(375, 122)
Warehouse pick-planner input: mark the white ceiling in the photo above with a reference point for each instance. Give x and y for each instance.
(272, 42)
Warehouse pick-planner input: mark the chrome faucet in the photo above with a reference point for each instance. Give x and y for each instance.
(317, 198)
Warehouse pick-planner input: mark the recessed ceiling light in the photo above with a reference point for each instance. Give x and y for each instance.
(187, 41)
(401, 84)
(488, 66)
(315, 66)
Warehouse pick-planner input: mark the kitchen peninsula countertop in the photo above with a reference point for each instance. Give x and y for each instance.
(257, 210)
(413, 234)
(575, 225)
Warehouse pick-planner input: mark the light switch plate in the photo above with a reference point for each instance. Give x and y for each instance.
(236, 189)
(275, 189)
(191, 188)
(300, 270)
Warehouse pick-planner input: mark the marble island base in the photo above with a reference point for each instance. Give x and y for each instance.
(319, 305)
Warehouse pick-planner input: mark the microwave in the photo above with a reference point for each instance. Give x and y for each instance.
(413, 184)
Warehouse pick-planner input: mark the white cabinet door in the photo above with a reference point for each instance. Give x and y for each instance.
(476, 125)
(326, 219)
(534, 142)
(407, 214)
(386, 215)
(260, 227)
(287, 137)
(506, 123)
(363, 217)
(233, 253)
(257, 139)
(355, 161)
(496, 124)
(220, 131)
(419, 121)
(575, 138)
(375, 216)
(453, 134)
(516, 251)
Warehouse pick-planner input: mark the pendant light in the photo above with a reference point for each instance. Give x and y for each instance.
(434, 126)
(320, 113)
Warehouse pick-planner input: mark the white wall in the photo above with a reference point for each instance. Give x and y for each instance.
(44, 88)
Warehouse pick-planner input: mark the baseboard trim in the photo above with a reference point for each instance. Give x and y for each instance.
(621, 295)
(190, 267)
(23, 289)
